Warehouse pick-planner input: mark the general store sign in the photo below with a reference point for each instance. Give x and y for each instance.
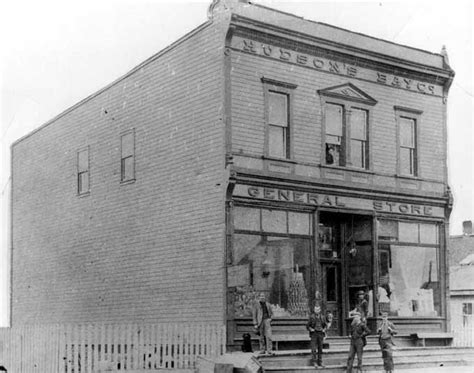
(332, 66)
(329, 200)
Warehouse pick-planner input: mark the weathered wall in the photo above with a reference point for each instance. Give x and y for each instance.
(248, 123)
(152, 250)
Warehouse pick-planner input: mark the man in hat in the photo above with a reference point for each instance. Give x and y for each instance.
(359, 331)
(362, 306)
(262, 318)
(317, 326)
(385, 331)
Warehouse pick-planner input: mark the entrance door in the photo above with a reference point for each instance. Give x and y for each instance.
(331, 287)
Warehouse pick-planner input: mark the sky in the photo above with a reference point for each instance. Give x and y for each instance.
(55, 53)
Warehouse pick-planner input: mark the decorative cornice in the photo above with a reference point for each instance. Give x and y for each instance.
(349, 50)
(348, 91)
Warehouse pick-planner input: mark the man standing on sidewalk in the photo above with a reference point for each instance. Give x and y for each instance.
(262, 318)
(385, 331)
(359, 331)
(317, 326)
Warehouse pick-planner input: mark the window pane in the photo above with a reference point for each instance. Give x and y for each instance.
(128, 172)
(278, 267)
(411, 287)
(299, 223)
(406, 161)
(278, 109)
(358, 124)
(277, 141)
(388, 230)
(83, 182)
(83, 160)
(407, 132)
(334, 119)
(127, 145)
(428, 233)
(274, 221)
(408, 232)
(246, 218)
(358, 153)
(333, 154)
(331, 284)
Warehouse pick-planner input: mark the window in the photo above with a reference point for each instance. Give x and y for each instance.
(358, 121)
(346, 126)
(467, 315)
(409, 281)
(83, 171)
(278, 134)
(407, 146)
(278, 97)
(127, 164)
(334, 134)
(408, 122)
(355, 128)
(270, 253)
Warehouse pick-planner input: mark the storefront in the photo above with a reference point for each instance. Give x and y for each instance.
(301, 246)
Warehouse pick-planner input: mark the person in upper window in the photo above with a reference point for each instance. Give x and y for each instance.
(330, 154)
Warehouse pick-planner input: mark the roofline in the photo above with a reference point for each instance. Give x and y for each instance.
(337, 46)
(118, 80)
(344, 29)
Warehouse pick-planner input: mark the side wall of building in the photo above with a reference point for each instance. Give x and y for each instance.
(150, 250)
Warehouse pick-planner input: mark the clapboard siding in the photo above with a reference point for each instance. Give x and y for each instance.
(248, 115)
(147, 251)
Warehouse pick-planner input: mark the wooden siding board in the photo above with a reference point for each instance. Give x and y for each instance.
(108, 254)
(248, 115)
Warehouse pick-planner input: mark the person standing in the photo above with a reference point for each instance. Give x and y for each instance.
(359, 331)
(385, 331)
(317, 326)
(262, 318)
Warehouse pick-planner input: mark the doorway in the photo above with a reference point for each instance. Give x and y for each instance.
(331, 294)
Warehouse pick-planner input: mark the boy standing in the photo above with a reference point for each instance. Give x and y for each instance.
(359, 331)
(385, 331)
(262, 317)
(317, 326)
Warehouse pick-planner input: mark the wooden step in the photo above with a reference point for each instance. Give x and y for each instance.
(403, 357)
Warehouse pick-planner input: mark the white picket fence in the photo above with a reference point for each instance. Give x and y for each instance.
(463, 330)
(97, 348)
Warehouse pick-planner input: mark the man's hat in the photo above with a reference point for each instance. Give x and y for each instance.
(361, 292)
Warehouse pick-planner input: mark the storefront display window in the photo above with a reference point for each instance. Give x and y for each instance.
(270, 260)
(409, 269)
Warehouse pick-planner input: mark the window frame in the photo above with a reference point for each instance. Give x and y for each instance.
(80, 171)
(346, 152)
(415, 115)
(275, 86)
(123, 157)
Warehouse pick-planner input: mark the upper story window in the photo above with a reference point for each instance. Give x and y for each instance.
(408, 122)
(83, 171)
(278, 117)
(346, 126)
(127, 163)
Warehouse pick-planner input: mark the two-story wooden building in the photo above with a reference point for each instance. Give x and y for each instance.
(262, 152)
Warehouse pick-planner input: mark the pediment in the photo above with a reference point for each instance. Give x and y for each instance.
(348, 91)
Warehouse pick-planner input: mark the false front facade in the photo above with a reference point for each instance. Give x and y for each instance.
(260, 153)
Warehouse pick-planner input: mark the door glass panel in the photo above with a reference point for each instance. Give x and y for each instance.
(331, 284)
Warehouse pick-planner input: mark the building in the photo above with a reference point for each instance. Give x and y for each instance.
(260, 153)
(461, 270)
